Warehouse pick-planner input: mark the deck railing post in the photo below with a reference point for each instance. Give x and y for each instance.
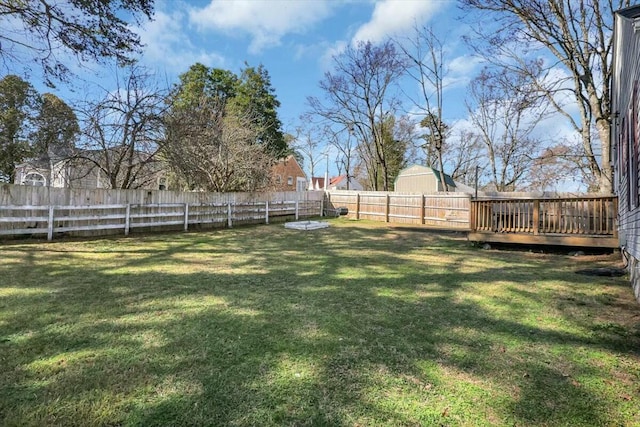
(536, 217)
(472, 215)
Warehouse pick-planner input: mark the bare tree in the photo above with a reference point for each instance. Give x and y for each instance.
(120, 133)
(40, 31)
(465, 153)
(578, 34)
(425, 55)
(359, 96)
(307, 142)
(345, 145)
(213, 148)
(551, 169)
(505, 112)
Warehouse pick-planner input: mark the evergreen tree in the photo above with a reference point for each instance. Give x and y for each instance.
(57, 128)
(18, 106)
(256, 97)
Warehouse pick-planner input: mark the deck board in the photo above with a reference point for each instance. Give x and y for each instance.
(546, 239)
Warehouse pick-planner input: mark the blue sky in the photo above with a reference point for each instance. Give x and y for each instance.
(295, 40)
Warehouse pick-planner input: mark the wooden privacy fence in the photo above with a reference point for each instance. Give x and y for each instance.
(448, 211)
(575, 221)
(194, 210)
(21, 195)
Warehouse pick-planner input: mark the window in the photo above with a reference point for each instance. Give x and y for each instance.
(290, 180)
(301, 184)
(278, 179)
(162, 183)
(34, 178)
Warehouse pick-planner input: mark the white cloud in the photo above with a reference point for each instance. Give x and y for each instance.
(460, 71)
(326, 60)
(265, 21)
(166, 44)
(392, 17)
(464, 65)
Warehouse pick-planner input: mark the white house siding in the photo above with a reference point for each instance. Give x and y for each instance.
(625, 134)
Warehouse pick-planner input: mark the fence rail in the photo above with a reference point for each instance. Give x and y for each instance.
(98, 219)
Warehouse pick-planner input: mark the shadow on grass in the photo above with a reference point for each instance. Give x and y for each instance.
(345, 326)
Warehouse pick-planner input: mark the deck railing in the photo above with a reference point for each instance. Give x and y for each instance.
(576, 216)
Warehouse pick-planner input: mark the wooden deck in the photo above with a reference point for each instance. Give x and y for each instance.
(580, 221)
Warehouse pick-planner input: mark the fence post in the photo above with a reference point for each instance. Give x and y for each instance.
(536, 217)
(322, 207)
(386, 210)
(328, 196)
(127, 219)
(422, 207)
(297, 213)
(266, 212)
(357, 205)
(186, 216)
(229, 222)
(50, 224)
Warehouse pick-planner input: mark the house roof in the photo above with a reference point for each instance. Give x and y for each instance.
(288, 158)
(630, 12)
(337, 179)
(318, 182)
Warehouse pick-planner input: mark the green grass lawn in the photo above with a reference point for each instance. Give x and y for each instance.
(358, 324)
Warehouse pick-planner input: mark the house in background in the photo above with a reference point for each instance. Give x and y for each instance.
(288, 175)
(422, 179)
(82, 171)
(317, 183)
(340, 183)
(625, 134)
(335, 183)
(42, 173)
